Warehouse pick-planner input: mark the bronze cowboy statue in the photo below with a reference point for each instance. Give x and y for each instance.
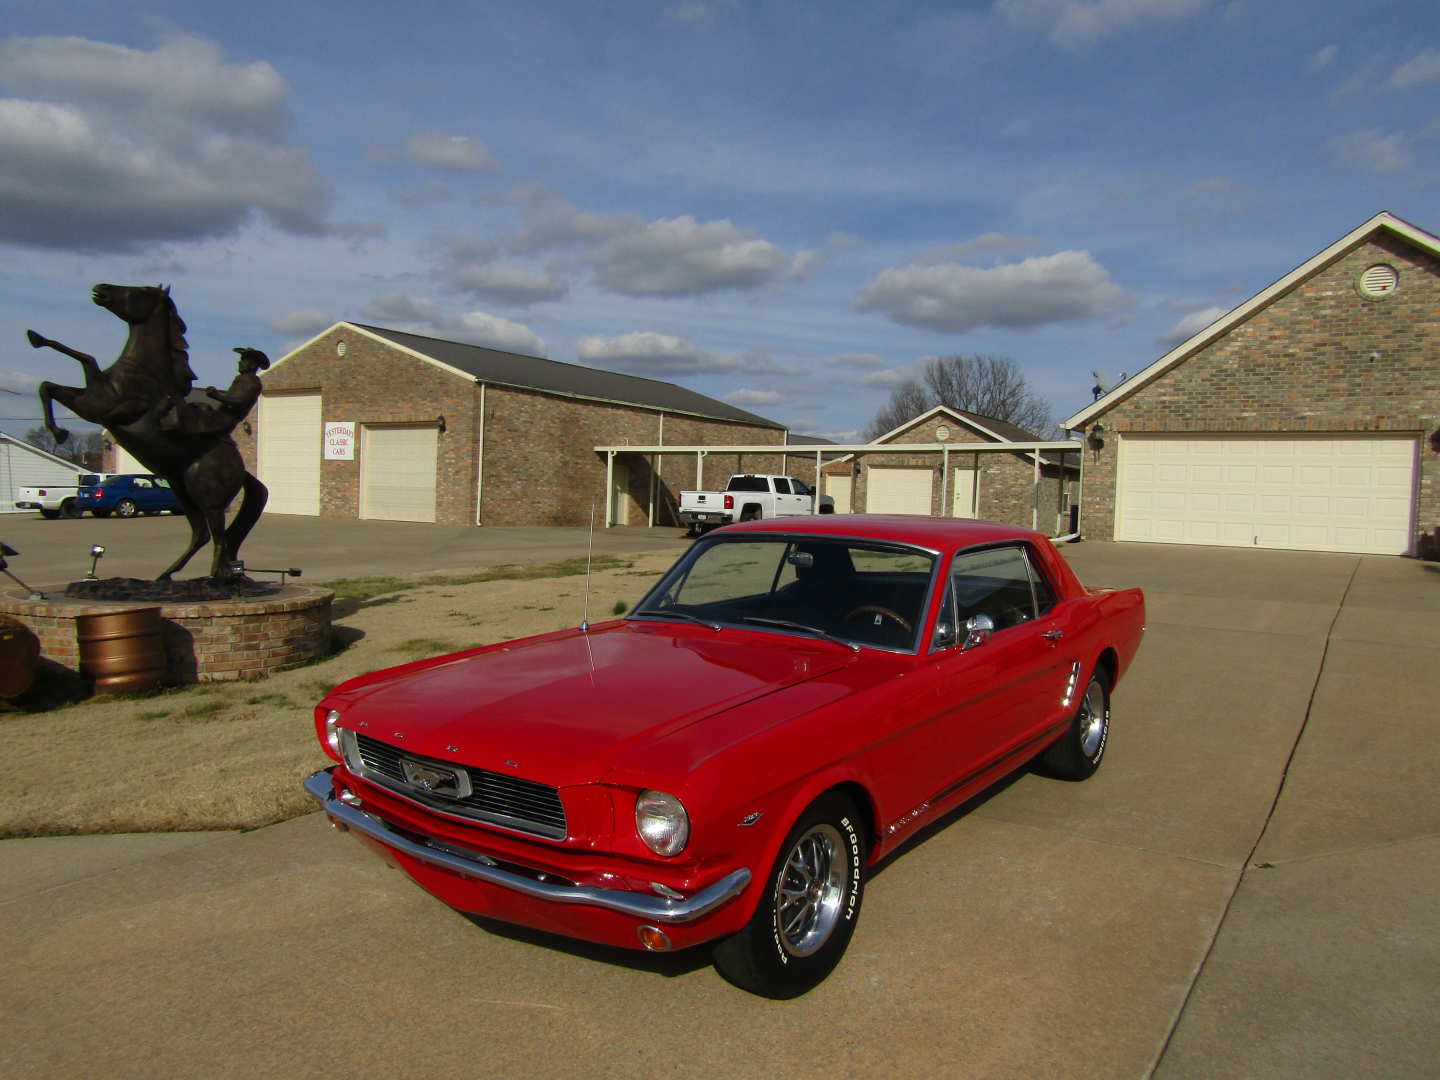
(140, 400)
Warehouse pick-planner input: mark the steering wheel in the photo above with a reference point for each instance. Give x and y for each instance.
(883, 612)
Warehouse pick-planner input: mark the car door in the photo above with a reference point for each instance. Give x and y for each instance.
(998, 692)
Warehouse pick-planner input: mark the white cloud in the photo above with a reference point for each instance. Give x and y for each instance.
(653, 353)
(986, 245)
(689, 11)
(1191, 325)
(953, 298)
(454, 153)
(1372, 151)
(17, 382)
(885, 379)
(184, 76)
(864, 361)
(135, 146)
(747, 398)
(508, 284)
(684, 257)
(1075, 24)
(648, 352)
(401, 311)
(1321, 59)
(303, 322)
(1423, 67)
(428, 193)
(478, 328)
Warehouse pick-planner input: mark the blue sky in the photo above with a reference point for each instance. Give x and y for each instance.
(783, 205)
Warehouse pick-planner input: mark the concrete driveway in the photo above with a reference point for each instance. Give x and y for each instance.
(1245, 889)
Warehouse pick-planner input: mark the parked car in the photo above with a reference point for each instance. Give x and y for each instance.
(751, 497)
(791, 702)
(56, 500)
(127, 495)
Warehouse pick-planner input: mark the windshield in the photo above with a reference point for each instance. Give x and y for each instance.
(867, 593)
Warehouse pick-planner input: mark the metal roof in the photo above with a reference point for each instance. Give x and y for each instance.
(573, 380)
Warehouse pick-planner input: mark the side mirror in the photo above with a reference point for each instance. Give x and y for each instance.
(944, 635)
(978, 629)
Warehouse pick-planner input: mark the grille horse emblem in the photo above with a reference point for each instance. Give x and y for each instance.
(436, 779)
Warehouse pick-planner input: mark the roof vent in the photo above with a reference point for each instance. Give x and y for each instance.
(1379, 280)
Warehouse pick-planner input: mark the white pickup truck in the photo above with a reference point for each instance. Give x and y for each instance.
(749, 496)
(56, 500)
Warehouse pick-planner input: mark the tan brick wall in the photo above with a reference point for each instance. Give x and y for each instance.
(204, 642)
(1320, 359)
(539, 463)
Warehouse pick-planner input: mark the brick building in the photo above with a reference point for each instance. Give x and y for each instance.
(1301, 419)
(955, 483)
(367, 422)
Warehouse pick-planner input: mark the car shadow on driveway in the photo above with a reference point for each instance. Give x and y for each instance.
(671, 965)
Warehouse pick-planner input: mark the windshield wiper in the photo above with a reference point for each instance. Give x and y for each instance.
(804, 628)
(665, 613)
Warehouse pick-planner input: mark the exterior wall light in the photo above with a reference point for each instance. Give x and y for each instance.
(1095, 440)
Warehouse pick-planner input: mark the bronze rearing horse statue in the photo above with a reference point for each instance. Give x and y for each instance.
(133, 398)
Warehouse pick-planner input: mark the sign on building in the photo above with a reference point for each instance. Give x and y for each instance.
(340, 440)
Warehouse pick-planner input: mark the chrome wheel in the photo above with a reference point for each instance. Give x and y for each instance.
(1092, 719)
(810, 890)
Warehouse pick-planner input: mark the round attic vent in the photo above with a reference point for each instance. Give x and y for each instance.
(1378, 280)
(340, 348)
(942, 434)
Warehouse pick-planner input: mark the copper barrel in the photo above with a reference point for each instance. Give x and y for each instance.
(122, 650)
(19, 651)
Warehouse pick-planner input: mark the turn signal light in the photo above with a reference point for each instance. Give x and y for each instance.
(653, 938)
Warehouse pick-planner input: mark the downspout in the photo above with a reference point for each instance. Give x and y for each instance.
(1035, 500)
(945, 508)
(480, 457)
(654, 466)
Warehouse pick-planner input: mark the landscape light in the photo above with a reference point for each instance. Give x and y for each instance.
(96, 551)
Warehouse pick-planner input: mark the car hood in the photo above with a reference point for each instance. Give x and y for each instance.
(559, 708)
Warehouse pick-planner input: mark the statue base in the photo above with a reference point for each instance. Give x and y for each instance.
(207, 638)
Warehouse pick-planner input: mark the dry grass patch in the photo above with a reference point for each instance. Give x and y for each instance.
(232, 755)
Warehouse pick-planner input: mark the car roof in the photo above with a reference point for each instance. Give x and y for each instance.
(936, 533)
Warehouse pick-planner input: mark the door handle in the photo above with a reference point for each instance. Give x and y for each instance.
(1053, 635)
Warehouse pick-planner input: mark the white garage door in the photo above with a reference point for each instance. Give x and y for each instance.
(289, 452)
(838, 488)
(899, 491)
(1312, 494)
(397, 472)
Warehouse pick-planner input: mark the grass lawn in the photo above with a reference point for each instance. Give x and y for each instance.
(231, 755)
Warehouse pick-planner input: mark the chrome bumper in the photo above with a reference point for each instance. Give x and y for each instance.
(650, 908)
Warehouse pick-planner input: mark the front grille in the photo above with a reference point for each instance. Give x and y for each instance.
(517, 804)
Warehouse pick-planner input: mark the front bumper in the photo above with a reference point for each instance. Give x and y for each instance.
(653, 909)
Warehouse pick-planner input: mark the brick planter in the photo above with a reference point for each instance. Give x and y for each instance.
(204, 642)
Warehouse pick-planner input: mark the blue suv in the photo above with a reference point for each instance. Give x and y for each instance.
(128, 495)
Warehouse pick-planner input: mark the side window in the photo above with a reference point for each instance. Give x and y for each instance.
(800, 487)
(160, 481)
(141, 482)
(1045, 598)
(782, 485)
(994, 582)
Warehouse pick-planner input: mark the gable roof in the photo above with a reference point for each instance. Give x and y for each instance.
(553, 377)
(989, 426)
(1384, 220)
(45, 454)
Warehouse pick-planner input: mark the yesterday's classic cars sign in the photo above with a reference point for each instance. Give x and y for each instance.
(340, 440)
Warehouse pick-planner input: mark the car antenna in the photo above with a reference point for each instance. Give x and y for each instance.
(589, 553)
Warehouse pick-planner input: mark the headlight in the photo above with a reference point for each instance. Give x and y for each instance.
(332, 734)
(662, 822)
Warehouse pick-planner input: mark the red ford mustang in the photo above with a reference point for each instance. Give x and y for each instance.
(790, 702)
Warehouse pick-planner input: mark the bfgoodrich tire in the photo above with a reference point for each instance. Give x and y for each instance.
(1077, 753)
(809, 908)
